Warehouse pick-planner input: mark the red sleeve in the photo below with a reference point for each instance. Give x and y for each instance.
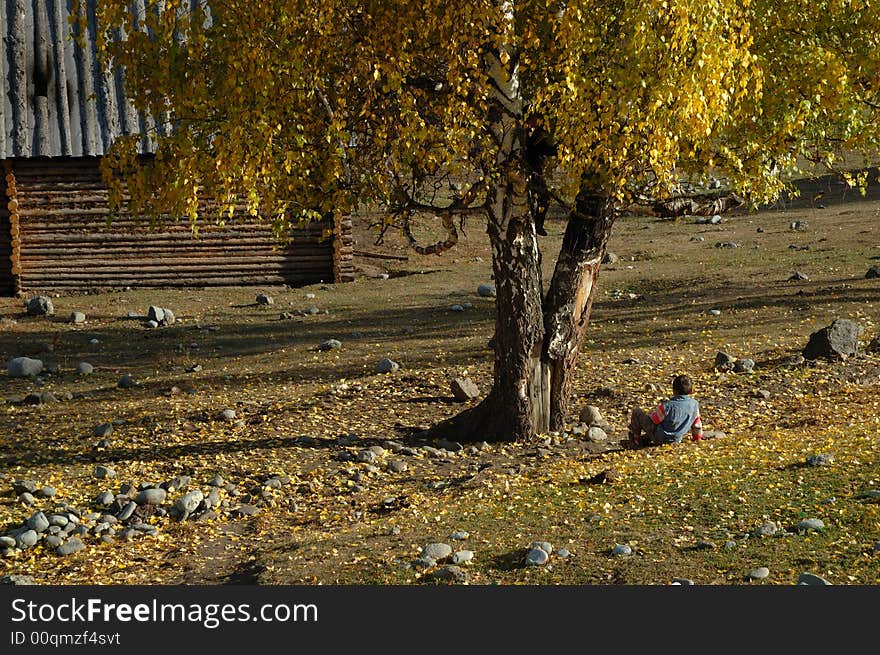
(658, 414)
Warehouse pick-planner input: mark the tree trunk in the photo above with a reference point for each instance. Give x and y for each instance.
(570, 296)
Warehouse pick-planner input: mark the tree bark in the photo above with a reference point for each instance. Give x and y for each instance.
(570, 297)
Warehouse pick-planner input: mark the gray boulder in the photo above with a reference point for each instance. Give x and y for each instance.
(330, 344)
(84, 368)
(263, 299)
(387, 366)
(77, 317)
(437, 551)
(724, 362)
(812, 579)
(744, 365)
(486, 291)
(610, 258)
(22, 367)
(836, 341)
(40, 306)
(153, 496)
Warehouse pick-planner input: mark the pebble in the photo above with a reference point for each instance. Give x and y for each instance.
(73, 545)
(7, 542)
(217, 481)
(398, 466)
(104, 472)
(423, 563)
(564, 553)
(77, 317)
(714, 312)
(744, 365)
(387, 366)
(330, 344)
(48, 492)
(436, 551)
(27, 538)
(486, 291)
(810, 524)
(448, 573)
(38, 522)
(798, 277)
(459, 535)
(812, 579)
(762, 393)
(759, 573)
(228, 415)
(684, 582)
(263, 299)
(767, 529)
(127, 511)
(543, 545)
(20, 580)
(366, 456)
(596, 434)
(621, 550)
(821, 459)
(245, 509)
(457, 308)
(126, 382)
(155, 496)
(462, 556)
(730, 544)
(105, 499)
(27, 498)
(187, 503)
(536, 557)
(464, 389)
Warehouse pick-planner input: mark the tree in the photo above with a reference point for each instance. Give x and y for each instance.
(297, 108)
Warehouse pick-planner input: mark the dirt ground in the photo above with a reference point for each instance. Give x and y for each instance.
(332, 519)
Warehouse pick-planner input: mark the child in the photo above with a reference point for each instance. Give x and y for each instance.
(670, 420)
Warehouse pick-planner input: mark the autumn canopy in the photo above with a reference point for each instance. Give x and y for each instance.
(299, 108)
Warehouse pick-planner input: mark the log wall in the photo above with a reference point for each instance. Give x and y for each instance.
(68, 239)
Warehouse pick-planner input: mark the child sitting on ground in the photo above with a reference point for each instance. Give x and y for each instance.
(670, 420)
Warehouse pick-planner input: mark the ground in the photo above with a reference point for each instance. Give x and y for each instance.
(687, 511)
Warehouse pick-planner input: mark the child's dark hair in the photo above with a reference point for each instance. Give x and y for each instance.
(681, 385)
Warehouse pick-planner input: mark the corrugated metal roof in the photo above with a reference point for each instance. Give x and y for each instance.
(57, 101)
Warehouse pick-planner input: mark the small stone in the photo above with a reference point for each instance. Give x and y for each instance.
(449, 574)
(104, 472)
(19, 580)
(330, 344)
(387, 366)
(537, 557)
(684, 582)
(457, 308)
(459, 535)
(23, 367)
(724, 362)
(546, 546)
(794, 361)
(798, 277)
(126, 382)
(486, 291)
(27, 498)
(105, 499)
(312, 311)
(245, 509)
(726, 244)
(84, 368)
(810, 524)
(745, 365)
(610, 258)
(564, 553)
(798, 226)
(762, 393)
(714, 312)
(103, 430)
(462, 556)
(436, 551)
(836, 341)
(423, 563)
(7, 542)
(812, 579)
(24, 486)
(217, 481)
(73, 545)
(39, 306)
(464, 389)
(37, 522)
(58, 520)
(621, 550)
(366, 456)
(873, 272)
(152, 324)
(398, 466)
(760, 230)
(263, 299)
(188, 503)
(730, 544)
(27, 539)
(155, 496)
(759, 573)
(126, 512)
(596, 434)
(767, 529)
(77, 317)
(698, 239)
(591, 415)
(822, 459)
(228, 415)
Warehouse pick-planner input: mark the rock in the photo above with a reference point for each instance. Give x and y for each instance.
(596, 434)
(448, 574)
(423, 563)
(58, 520)
(610, 258)
(245, 509)
(188, 503)
(564, 553)
(47, 397)
(836, 341)
(155, 496)
(873, 272)
(152, 325)
(621, 550)
(103, 430)
(126, 382)
(798, 226)
(726, 244)
(104, 472)
(37, 522)
(462, 556)
(537, 557)
(24, 486)
(84, 368)
(464, 389)
(546, 546)
(460, 535)
(767, 529)
(760, 230)
(263, 299)
(810, 524)
(228, 415)
(759, 573)
(22, 367)
(105, 499)
(698, 239)
(126, 512)
(366, 456)
(798, 276)
(457, 308)
(812, 579)
(744, 365)
(27, 499)
(7, 542)
(761, 393)
(684, 582)
(27, 538)
(822, 459)
(398, 466)
(39, 306)
(387, 366)
(714, 312)
(156, 314)
(19, 580)
(73, 545)
(724, 362)
(312, 311)
(217, 481)
(591, 415)
(486, 291)
(714, 220)
(794, 361)
(436, 551)
(330, 344)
